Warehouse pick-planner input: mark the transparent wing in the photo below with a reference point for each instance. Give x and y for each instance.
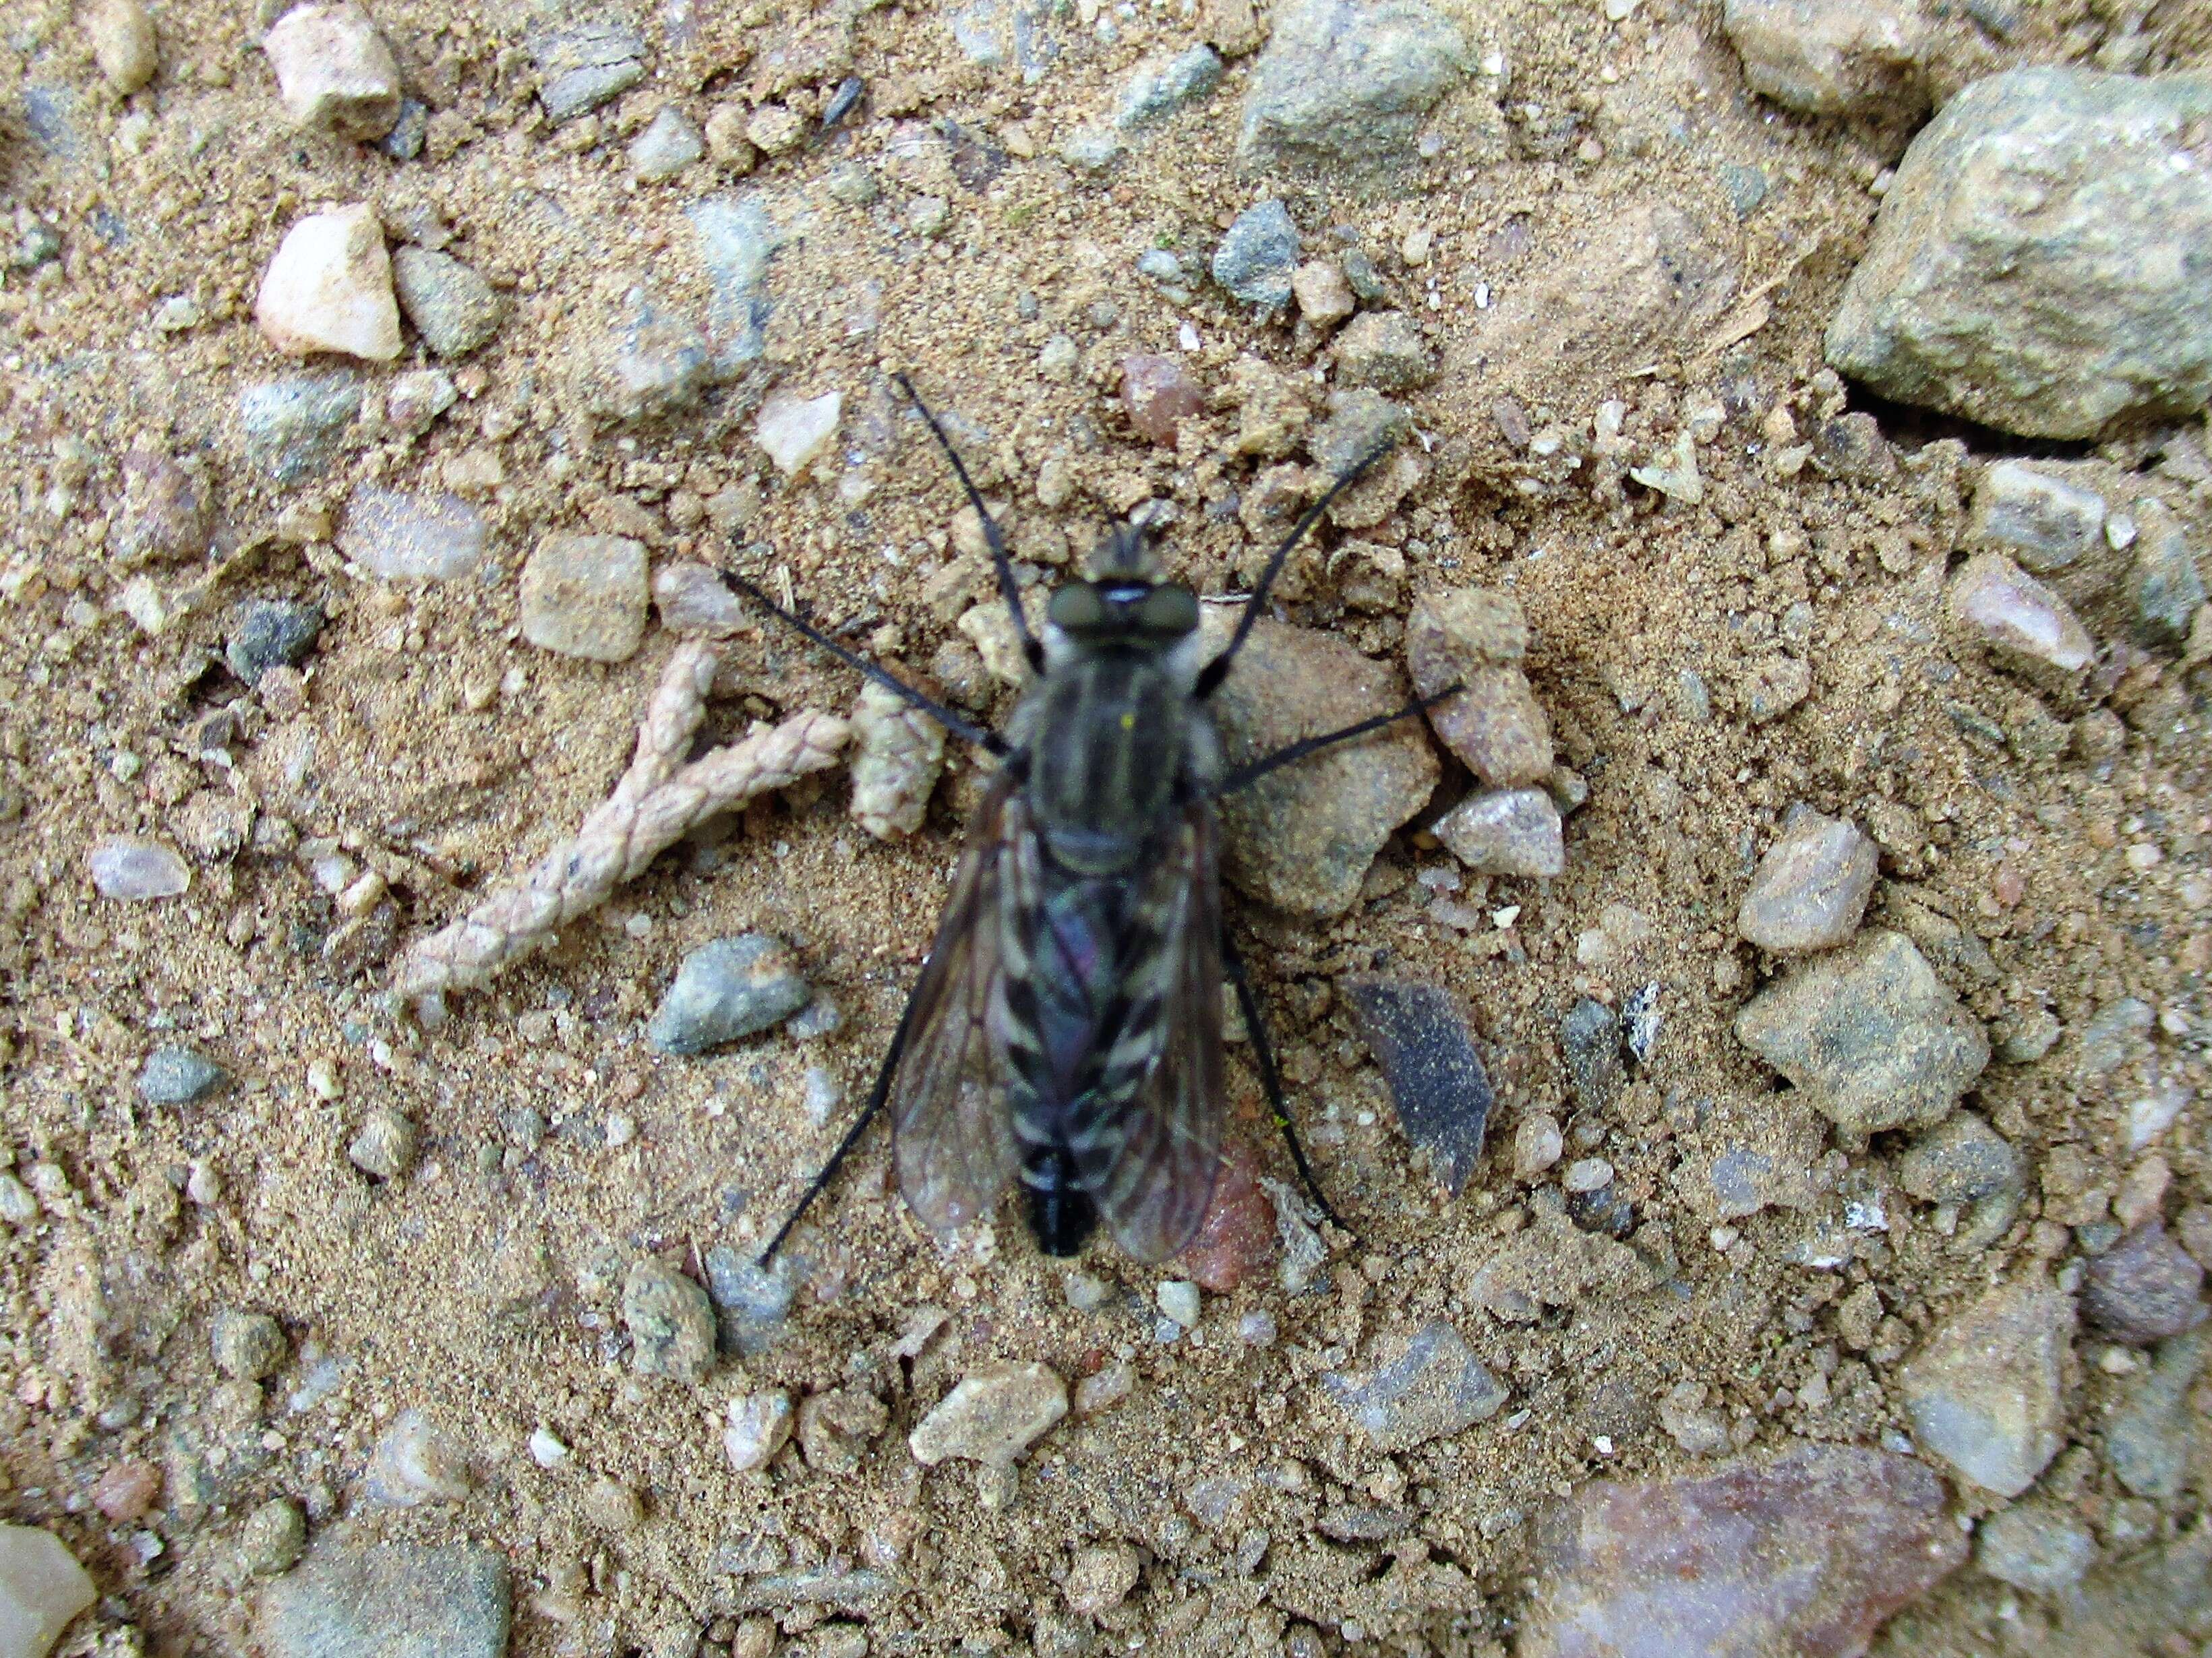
(955, 1148)
(1146, 1136)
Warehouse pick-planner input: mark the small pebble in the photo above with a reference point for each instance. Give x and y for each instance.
(2036, 1545)
(42, 1588)
(1590, 1038)
(1384, 350)
(1433, 1387)
(726, 990)
(586, 596)
(727, 141)
(273, 1538)
(386, 1146)
(126, 1491)
(1811, 888)
(992, 1417)
(666, 146)
(136, 871)
(405, 537)
(2144, 1288)
(1100, 1578)
(1508, 832)
(1086, 1292)
(123, 44)
(760, 1425)
(1103, 1391)
(793, 431)
(1158, 394)
(1256, 1329)
(546, 1449)
(670, 1322)
(1537, 1145)
(334, 70)
(248, 1345)
(1258, 256)
(1179, 1299)
(415, 1463)
(1324, 296)
(927, 217)
(2044, 523)
(17, 1206)
(2025, 625)
(176, 1075)
(453, 307)
(611, 1506)
(329, 288)
(1587, 1174)
(265, 634)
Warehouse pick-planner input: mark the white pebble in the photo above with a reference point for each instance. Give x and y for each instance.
(42, 1587)
(622, 1129)
(794, 430)
(824, 1094)
(334, 70)
(136, 871)
(1257, 1328)
(1178, 1298)
(760, 1425)
(545, 1450)
(1587, 1174)
(329, 288)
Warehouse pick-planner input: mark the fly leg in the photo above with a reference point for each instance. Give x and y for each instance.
(1250, 773)
(1271, 1081)
(869, 1112)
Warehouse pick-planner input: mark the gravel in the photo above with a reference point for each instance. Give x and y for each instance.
(292, 425)
(1812, 887)
(2045, 523)
(1962, 1160)
(361, 1600)
(670, 1322)
(1425, 1388)
(334, 71)
(266, 633)
(2163, 585)
(726, 990)
(136, 871)
(760, 1425)
(2144, 1288)
(1384, 350)
(1871, 1037)
(1258, 255)
(1345, 86)
(1474, 638)
(2036, 1545)
(1506, 832)
(416, 1462)
(403, 536)
(2147, 1440)
(2004, 279)
(386, 1146)
(1159, 395)
(177, 1075)
(1425, 1042)
(1983, 1393)
(666, 146)
(329, 288)
(2024, 625)
(273, 1538)
(1589, 1039)
(1851, 57)
(249, 1346)
(795, 432)
(1160, 86)
(42, 1588)
(992, 1417)
(1178, 1298)
(1100, 1577)
(586, 597)
(123, 44)
(583, 67)
(751, 1301)
(453, 307)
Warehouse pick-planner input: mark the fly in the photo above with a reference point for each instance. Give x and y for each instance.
(1066, 1026)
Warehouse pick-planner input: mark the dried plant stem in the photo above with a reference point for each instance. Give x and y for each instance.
(658, 800)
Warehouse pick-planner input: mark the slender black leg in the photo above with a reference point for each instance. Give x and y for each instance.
(1032, 652)
(877, 1096)
(1211, 676)
(1271, 1081)
(1245, 775)
(936, 710)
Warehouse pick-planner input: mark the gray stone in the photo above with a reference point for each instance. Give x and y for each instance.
(1984, 1391)
(136, 871)
(1422, 1039)
(1161, 86)
(1873, 1038)
(177, 1075)
(1506, 832)
(402, 537)
(1344, 84)
(267, 633)
(1360, 424)
(670, 1322)
(2035, 1545)
(651, 364)
(2146, 1438)
(452, 308)
(2043, 523)
(1429, 1387)
(248, 1345)
(1806, 1554)
(397, 1600)
(2024, 625)
(665, 148)
(1590, 1037)
(582, 68)
(992, 1417)
(2144, 1288)
(726, 990)
(1962, 1160)
(292, 425)
(1812, 887)
(164, 511)
(751, 1301)
(2115, 1034)
(1853, 57)
(586, 596)
(735, 238)
(2164, 586)
(1384, 350)
(2038, 264)
(1303, 836)
(334, 71)
(1091, 150)
(1258, 255)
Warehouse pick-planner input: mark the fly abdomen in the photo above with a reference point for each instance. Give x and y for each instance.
(1061, 1213)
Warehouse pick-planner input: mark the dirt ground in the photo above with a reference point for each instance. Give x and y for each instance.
(438, 748)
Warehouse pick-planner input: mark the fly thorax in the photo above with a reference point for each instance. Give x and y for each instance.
(1107, 749)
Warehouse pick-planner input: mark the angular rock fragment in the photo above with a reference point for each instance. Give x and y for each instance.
(1506, 832)
(1430, 1385)
(1384, 350)
(2144, 1288)
(1420, 1036)
(586, 596)
(2024, 625)
(1258, 255)
(2165, 585)
(453, 307)
(1826, 58)
(1158, 394)
(1869, 1035)
(329, 288)
(2147, 1440)
(2035, 1545)
(400, 535)
(1805, 1553)
(1983, 1392)
(582, 67)
(726, 990)
(992, 1417)
(1342, 84)
(1812, 887)
(794, 431)
(42, 1588)
(670, 1322)
(2043, 523)
(334, 70)
(393, 1600)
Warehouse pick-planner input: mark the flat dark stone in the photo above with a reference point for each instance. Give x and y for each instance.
(1422, 1038)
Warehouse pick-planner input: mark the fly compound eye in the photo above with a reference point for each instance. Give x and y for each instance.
(1169, 609)
(1077, 608)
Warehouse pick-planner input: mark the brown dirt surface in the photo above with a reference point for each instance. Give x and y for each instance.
(435, 748)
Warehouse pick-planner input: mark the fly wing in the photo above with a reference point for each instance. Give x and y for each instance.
(955, 1146)
(1146, 1135)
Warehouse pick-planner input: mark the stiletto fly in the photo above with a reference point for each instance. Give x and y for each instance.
(1066, 1026)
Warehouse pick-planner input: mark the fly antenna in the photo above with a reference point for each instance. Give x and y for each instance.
(1032, 652)
(1211, 676)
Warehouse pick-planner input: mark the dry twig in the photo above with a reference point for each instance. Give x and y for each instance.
(659, 799)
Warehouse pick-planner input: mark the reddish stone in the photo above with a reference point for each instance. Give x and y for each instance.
(126, 1491)
(1157, 395)
(1238, 1237)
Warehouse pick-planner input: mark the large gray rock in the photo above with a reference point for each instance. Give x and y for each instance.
(1346, 84)
(401, 1600)
(2043, 263)
(1869, 1035)
(1983, 1393)
(1806, 1554)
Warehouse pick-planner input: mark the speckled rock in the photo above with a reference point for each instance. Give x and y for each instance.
(992, 1417)
(1869, 1035)
(586, 596)
(1302, 837)
(2037, 265)
(1258, 255)
(1960, 1160)
(1236, 1240)
(1506, 832)
(266, 633)
(582, 67)
(726, 990)
(453, 309)
(1384, 350)
(1158, 87)
(2147, 1440)
(359, 1599)
(670, 1322)
(2043, 523)
(1983, 1393)
(1342, 84)
(1425, 1042)
(176, 1075)
(1812, 887)
(334, 71)
(2037, 1545)
(1805, 1553)
(386, 1145)
(2024, 625)
(273, 1538)
(2164, 584)
(1828, 57)
(165, 510)
(329, 288)
(2144, 1288)
(1422, 1387)
(248, 1345)
(293, 426)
